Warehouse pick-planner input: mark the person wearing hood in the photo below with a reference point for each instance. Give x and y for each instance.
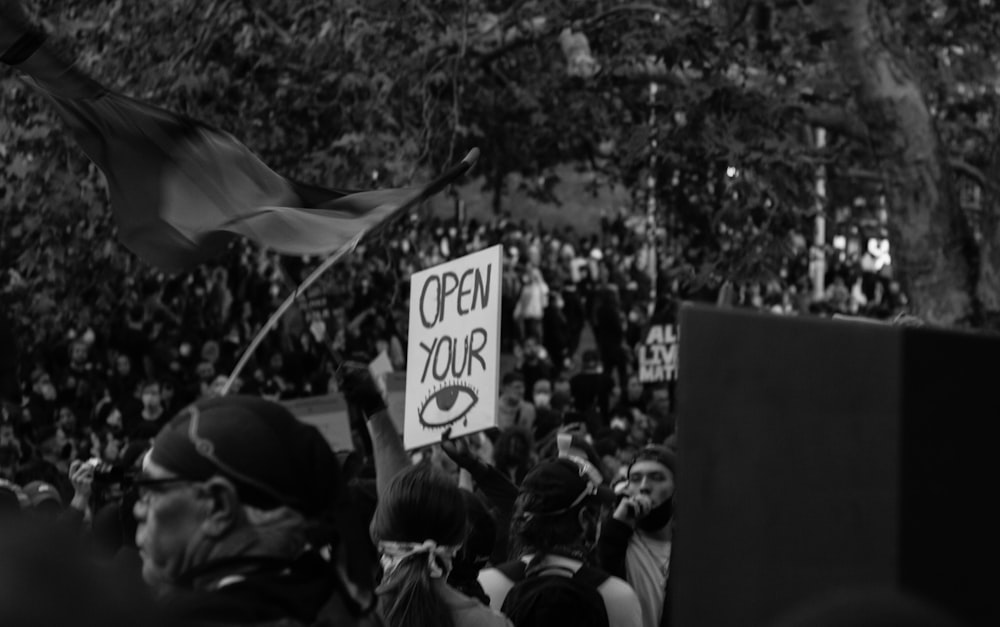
(244, 517)
(635, 544)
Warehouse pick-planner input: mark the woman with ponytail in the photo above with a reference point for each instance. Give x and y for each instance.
(420, 525)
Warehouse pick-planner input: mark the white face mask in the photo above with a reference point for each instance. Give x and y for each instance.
(542, 399)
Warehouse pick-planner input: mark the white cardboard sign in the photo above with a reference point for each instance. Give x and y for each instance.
(453, 352)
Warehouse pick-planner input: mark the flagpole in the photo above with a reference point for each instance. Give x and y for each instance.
(426, 192)
(280, 311)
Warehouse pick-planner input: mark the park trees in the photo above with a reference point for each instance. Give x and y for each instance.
(344, 92)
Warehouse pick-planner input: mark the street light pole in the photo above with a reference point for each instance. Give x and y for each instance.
(817, 261)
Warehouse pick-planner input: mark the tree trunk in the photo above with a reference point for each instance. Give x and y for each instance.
(989, 274)
(933, 250)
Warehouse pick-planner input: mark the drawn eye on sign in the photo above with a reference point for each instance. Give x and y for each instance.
(447, 404)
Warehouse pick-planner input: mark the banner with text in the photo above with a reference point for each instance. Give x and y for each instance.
(658, 354)
(453, 353)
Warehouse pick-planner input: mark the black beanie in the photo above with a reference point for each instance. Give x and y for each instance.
(271, 457)
(659, 454)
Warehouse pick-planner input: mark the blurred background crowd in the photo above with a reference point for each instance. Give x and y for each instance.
(108, 355)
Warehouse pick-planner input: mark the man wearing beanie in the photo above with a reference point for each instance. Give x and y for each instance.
(636, 542)
(244, 518)
(556, 524)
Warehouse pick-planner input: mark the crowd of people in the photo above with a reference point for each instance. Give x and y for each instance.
(580, 467)
(111, 362)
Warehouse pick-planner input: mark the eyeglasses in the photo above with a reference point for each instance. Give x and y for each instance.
(146, 487)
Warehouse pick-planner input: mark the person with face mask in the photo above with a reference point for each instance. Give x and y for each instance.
(244, 517)
(636, 542)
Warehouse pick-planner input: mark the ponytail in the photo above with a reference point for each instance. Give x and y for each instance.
(407, 597)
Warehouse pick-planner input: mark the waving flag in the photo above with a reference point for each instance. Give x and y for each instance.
(181, 190)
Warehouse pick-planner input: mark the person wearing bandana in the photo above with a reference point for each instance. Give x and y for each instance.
(421, 525)
(636, 542)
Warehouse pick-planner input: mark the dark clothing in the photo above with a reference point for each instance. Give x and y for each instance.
(499, 493)
(611, 547)
(535, 370)
(576, 316)
(547, 420)
(557, 335)
(591, 390)
(138, 428)
(274, 594)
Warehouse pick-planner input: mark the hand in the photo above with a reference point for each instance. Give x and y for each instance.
(458, 451)
(81, 475)
(359, 388)
(633, 508)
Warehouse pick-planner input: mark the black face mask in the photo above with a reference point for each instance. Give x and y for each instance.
(658, 517)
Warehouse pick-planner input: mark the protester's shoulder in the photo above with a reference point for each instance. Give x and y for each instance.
(469, 612)
(496, 585)
(621, 602)
(616, 589)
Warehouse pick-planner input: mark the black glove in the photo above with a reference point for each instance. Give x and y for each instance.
(359, 388)
(462, 458)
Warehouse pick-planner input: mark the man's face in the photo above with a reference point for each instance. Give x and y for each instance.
(47, 390)
(652, 479)
(151, 398)
(124, 365)
(514, 391)
(530, 348)
(170, 519)
(79, 354)
(634, 389)
(206, 371)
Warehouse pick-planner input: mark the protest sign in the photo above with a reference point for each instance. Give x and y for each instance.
(329, 415)
(452, 367)
(658, 354)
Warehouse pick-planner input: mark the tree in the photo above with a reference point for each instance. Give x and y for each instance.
(949, 275)
(344, 92)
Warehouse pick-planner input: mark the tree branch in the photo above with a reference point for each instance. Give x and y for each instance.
(524, 40)
(969, 171)
(836, 119)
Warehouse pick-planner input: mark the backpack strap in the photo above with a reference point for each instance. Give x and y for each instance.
(551, 569)
(591, 577)
(515, 571)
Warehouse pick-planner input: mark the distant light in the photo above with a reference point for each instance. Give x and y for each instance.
(879, 250)
(731, 172)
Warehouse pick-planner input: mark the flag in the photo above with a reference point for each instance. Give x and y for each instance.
(180, 189)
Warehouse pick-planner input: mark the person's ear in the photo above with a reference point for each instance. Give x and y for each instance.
(224, 507)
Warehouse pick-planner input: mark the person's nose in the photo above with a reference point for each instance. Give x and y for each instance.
(140, 509)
